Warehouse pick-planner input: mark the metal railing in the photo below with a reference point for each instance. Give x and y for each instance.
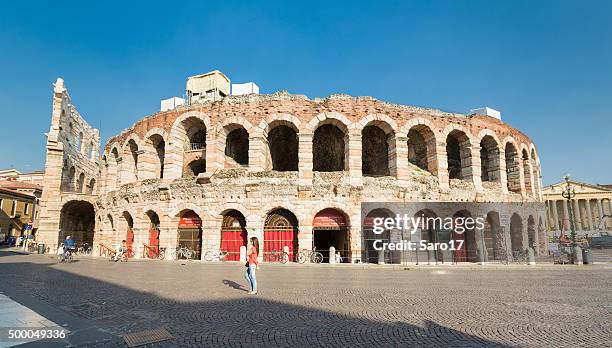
(196, 146)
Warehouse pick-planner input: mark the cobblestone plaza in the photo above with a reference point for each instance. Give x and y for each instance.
(204, 304)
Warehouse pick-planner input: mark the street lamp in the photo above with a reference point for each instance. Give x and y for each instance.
(568, 193)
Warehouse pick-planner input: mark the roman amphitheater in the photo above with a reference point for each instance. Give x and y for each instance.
(207, 173)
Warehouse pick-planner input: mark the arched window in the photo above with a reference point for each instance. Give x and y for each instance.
(512, 168)
(375, 151)
(329, 149)
(489, 159)
(283, 148)
(458, 155)
(422, 148)
(237, 146)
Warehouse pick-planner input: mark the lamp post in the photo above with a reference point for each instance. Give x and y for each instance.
(569, 193)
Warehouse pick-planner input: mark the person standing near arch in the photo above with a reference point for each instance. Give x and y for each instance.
(252, 264)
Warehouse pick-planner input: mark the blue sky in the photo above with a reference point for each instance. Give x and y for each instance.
(547, 65)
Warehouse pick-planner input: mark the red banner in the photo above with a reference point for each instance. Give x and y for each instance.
(190, 220)
(329, 218)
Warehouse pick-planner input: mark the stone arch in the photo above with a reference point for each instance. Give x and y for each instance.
(186, 142)
(154, 154)
(334, 118)
(283, 145)
(330, 143)
(516, 232)
(91, 187)
(77, 219)
(421, 144)
(378, 148)
(281, 228)
(175, 213)
(494, 238)
(468, 251)
(536, 170)
(370, 236)
(489, 156)
(80, 183)
(384, 121)
(458, 152)
(527, 169)
(236, 139)
(195, 167)
(274, 120)
(189, 230)
(79, 144)
(532, 238)
(113, 179)
(130, 159)
(233, 234)
(330, 227)
(71, 179)
(513, 172)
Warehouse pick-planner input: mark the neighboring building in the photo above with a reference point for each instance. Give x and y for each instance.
(32, 190)
(289, 170)
(35, 177)
(17, 212)
(591, 208)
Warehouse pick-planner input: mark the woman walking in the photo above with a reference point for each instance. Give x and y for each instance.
(252, 263)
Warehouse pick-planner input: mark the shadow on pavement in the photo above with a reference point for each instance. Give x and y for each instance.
(232, 284)
(100, 311)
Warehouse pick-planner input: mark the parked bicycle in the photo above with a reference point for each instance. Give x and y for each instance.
(154, 252)
(183, 253)
(312, 256)
(216, 255)
(85, 249)
(278, 256)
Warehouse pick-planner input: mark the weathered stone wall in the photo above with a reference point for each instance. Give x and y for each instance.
(71, 168)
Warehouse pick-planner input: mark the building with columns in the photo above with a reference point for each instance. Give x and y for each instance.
(591, 208)
(287, 169)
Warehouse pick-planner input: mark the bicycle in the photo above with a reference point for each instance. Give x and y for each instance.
(312, 256)
(213, 255)
(184, 253)
(278, 256)
(85, 250)
(66, 256)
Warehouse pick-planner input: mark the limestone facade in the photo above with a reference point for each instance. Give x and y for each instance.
(71, 169)
(247, 161)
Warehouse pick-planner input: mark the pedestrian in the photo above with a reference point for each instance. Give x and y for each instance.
(252, 264)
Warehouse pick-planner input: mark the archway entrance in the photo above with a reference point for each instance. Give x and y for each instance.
(330, 228)
(154, 232)
(280, 231)
(516, 232)
(77, 219)
(190, 232)
(531, 232)
(370, 254)
(468, 251)
(233, 234)
(129, 235)
(494, 239)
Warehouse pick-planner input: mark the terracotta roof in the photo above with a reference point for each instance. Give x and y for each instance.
(13, 185)
(16, 193)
